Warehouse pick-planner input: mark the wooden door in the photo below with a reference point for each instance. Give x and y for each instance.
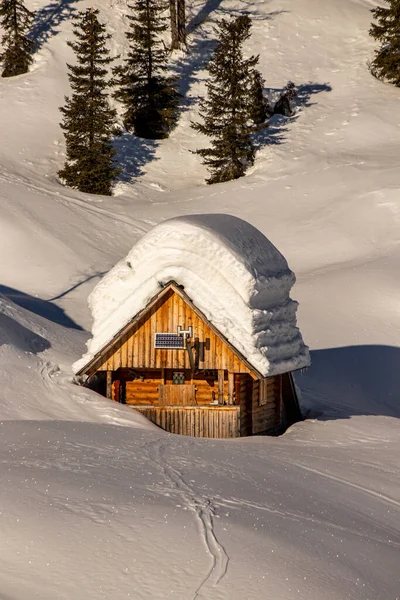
(177, 394)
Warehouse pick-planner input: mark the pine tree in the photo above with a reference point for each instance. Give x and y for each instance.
(259, 109)
(149, 96)
(16, 20)
(386, 64)
(88, 122)
(227, 112)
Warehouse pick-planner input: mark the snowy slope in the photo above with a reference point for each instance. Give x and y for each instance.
(90, 510)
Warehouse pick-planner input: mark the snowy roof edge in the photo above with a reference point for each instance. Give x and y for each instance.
(179, 289)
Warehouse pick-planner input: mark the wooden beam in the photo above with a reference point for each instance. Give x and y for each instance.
(231, 388)
(109, 384)
(221, 376)
(191, 358)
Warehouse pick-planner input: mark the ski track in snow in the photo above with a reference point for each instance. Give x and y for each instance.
(239, 503)
(86, 205)
(204, 512)
(349, 484)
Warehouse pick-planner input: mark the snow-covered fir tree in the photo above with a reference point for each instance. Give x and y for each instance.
(386, 30)
(148, 94)
(227, 111)
(17, 48)
(89, 122)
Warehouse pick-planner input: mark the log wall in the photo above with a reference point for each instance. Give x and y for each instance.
(146, 390)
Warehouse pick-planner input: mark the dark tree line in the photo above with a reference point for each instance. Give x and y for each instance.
(17, 48)
(386, 30)
(234, 109)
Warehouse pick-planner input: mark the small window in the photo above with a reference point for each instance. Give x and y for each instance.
(178, 377)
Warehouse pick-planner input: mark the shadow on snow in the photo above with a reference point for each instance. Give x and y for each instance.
(48, 18)
(200, 50)
(277, 126)
(352, 380)
(40, 307)
(133, 153)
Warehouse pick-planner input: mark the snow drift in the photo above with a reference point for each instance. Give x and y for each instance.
(231, 271)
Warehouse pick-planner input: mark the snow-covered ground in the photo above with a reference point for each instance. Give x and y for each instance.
(95, 502)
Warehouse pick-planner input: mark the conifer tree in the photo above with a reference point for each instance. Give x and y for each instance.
(227, 111)
(16, 20)
(386, 64)
(88, 122)
(259, 109)
(149, 96)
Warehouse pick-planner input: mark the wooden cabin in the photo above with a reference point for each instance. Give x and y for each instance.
(171, 364)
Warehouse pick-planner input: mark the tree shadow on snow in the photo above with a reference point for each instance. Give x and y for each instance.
(247, 7)
(200, 50)
(133, 153)
(40, 307)
(274, 132)
(307, 90)
(48, 18)
(352, 380)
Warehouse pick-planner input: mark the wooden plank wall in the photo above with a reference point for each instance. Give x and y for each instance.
(178, 395)
(220, 422)
(136, 348)
(260, 402)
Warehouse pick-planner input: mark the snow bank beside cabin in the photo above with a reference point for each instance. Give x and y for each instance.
(232, 273)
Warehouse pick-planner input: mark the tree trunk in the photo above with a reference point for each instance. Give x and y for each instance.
(181, 23)
(174, 24)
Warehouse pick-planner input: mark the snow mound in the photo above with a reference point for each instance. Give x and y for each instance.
(16, 331)
(232, 273)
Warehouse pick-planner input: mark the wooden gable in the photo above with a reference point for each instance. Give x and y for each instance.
(133, 346)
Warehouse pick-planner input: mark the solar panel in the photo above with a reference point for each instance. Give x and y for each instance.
(169, 340)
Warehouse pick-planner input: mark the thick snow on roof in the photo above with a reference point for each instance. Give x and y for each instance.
(232, 273)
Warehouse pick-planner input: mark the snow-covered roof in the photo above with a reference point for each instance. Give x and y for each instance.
(229, 269)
